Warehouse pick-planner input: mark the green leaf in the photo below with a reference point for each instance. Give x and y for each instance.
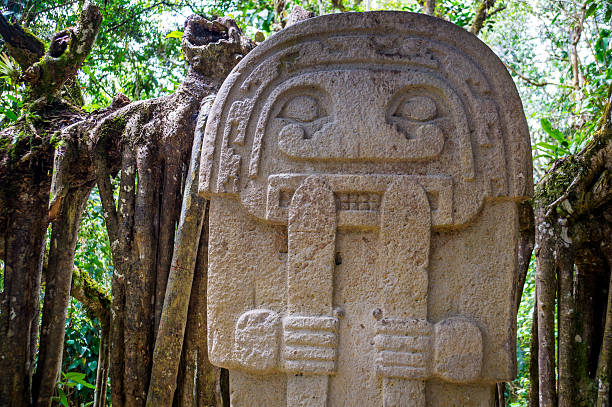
(10, 115)
(551, 131)
(591, 10)
(63, 399)
(175, 34)
(14, 99)
(74, 376)
(547, 146)
(84, 383)
(550, 157)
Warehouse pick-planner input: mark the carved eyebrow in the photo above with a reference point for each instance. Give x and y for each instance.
(305, 82)
(416, 108)
(302, 108)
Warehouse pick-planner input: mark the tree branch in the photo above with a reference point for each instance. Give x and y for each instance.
(93, 297)
(54, 7)
(23, 46)
(575, 34)
(497, 10)
(529, 80)
(481, 16)
(430, 7)
(67, 51)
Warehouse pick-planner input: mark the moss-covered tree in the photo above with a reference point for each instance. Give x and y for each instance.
(56, 149)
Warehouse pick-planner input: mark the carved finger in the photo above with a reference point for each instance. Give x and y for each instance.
(402, 343)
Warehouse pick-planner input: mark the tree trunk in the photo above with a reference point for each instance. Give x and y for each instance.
(482, 13)
(534, 385)
(25, 178)
(546, 292)
(604, 366)
(25, 203)
(574, 217)
(169, 343)
(103, 365)
(57, 294)
(566, 327)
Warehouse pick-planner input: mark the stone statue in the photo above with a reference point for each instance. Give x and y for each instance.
(364, 172)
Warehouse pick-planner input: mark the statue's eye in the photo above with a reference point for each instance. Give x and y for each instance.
(301, 108)
(417, 108)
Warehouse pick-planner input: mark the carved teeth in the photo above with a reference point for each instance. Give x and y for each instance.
(353, 201)
(358, 201)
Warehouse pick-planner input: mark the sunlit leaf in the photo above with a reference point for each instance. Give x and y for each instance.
(63, 400)
(175, 34)
(10, 115)
(551, 131)
(591, 10)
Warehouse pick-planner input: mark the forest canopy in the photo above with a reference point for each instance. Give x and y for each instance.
(80, 130)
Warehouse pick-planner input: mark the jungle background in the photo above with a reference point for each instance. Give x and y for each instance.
(559, 53)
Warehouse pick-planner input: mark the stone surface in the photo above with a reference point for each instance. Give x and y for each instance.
(363, 172)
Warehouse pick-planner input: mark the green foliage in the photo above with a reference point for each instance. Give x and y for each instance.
(68, 382)
(93, 253)
(175, 34)
(517, 391)
(571, 111)
(557, 146)
(11, 97)
(80, 355)
(457, 11)
(82, 341)
(138, 54)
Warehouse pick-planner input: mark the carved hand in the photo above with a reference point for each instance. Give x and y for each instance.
(310, 344)
(415, 349)
(404, 346)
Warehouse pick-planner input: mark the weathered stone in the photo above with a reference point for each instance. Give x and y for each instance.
(364, 171)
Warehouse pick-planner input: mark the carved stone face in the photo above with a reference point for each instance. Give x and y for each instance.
(362, 103)
(363, 172)
(355, 116)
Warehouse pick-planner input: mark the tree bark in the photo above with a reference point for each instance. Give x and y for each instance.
(605, 357)
(534, 385)
(57, 294)
(604, 366)
(570, 200)
(169, 341)
(546, 292)
(152, 141)
(24, 47)
(566, 314)
(119, 232)
(157, 133)
(525, 247)
(65, 55)
(24, 199)
(103, 365)
(575, 33)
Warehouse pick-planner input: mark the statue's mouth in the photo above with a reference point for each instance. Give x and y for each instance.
(358, 197)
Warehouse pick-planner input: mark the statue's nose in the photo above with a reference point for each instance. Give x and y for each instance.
(357, 136)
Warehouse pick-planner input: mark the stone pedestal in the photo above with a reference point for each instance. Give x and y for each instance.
(364, 171)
